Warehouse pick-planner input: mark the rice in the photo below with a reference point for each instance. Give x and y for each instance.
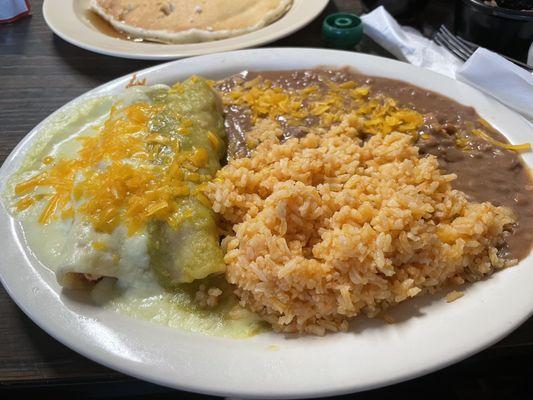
(454, 295)
(207, 297)
(328, 227)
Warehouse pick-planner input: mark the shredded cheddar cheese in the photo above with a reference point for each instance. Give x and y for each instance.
(326, 106)
(48, 160)
(124, 174)
(99, 245)
(213, 139)
(491, 140)
(24, 203)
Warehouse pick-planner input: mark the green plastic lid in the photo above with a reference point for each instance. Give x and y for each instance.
(342, 30)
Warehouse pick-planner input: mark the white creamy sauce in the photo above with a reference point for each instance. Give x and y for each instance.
(67, 245)
(175, 310)
(46, 242)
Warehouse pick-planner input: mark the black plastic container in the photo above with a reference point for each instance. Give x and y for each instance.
(505, 31)
(403, 10)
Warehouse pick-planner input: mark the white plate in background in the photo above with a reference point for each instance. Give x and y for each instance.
(68, 19)
(373, 354)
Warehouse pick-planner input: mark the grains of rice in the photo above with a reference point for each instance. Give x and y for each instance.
(207, 297)
(328, 227)
(454, 295)
(389, 319)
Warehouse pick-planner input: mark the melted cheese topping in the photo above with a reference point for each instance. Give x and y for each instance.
(327, 105)
(124, 174)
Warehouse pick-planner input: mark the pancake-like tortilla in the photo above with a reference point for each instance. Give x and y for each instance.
(189, 21)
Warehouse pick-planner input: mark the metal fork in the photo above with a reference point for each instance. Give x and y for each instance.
(463, 48)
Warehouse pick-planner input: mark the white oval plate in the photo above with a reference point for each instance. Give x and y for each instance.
(272, 365)
(68, 20)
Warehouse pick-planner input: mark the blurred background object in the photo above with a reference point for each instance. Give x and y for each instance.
(504, 26)
(512, 4)
(403, 10)
(342, 30)
(12, 10)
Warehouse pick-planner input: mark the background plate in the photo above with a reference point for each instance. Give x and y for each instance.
(429, 334)
(68, 19)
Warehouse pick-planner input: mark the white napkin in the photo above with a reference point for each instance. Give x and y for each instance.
(500, 78)
(485, 70)
(407, 44)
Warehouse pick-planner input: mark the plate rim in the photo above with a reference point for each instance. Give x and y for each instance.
(41, 320)
(218, 45)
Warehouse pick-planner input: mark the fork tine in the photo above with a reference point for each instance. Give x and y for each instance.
(444, 44)
(463, 48)
(450, 37)
(465, 43)
(442, 41)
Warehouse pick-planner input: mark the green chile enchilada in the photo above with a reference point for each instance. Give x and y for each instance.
(139, 175)
(116, 191)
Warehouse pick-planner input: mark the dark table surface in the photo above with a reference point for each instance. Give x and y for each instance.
(38, 74)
